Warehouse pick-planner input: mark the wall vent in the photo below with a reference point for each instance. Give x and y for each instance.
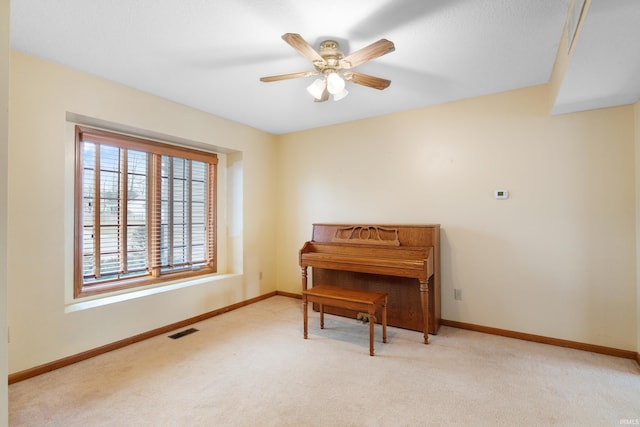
(183, 333)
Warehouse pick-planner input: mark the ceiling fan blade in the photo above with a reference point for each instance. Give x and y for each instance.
(374, 50)
(367, 80)
(287, 76)
(301, 45)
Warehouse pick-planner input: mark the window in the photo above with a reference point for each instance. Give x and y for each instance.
(144, 212)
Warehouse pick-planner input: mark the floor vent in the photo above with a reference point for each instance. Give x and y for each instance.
(183, 333)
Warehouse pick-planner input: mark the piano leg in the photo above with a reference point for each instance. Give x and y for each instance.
(424, 301)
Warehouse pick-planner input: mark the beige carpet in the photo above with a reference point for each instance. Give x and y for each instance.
(251, 367)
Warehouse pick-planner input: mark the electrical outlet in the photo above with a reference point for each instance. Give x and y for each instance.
(457, 294)
(260, 275)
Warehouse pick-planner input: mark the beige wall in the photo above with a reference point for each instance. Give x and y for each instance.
(45, 324)
(4, 103)
(555, 259)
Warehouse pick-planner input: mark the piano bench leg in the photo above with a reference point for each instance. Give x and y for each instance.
(372, 316)
(321, 316)
(305, 310)
(384, 321)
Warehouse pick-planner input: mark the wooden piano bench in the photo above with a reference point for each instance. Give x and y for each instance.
(350, 299)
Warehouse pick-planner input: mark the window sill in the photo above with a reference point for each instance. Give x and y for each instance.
(100, 301)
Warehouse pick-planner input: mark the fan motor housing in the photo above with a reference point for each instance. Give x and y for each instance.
(330, 52)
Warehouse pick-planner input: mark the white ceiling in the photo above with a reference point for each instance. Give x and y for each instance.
(210, 54)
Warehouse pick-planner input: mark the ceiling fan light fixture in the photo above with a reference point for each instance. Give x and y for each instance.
(335, 83)
(317, 88)
(338, 96)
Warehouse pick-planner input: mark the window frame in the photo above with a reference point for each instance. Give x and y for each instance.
(155, 149)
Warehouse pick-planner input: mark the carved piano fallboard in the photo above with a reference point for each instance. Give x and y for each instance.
(400, 260)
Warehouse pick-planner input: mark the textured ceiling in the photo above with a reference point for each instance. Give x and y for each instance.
(210, 54)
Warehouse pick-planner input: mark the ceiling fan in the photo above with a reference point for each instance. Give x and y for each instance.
(334, 67)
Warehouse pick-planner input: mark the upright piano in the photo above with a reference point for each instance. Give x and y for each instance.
(401, 260)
